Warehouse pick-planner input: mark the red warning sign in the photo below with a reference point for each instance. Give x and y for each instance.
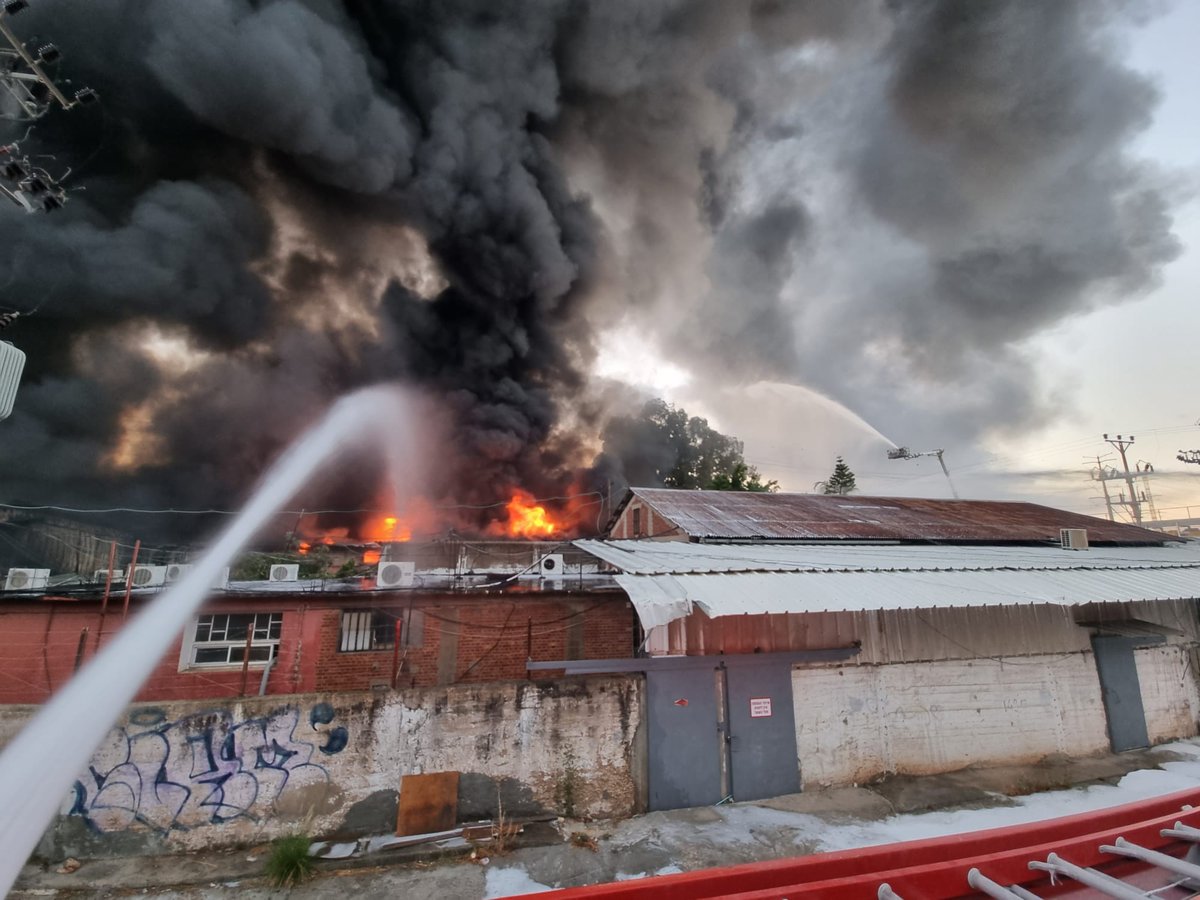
(760, 707)
(682, 701)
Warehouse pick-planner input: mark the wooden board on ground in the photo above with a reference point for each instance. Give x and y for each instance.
(427, 803)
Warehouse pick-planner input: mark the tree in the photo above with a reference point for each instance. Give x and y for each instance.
(665, 446)
(743, 478)
(841, 481)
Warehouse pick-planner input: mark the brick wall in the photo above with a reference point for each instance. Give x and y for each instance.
(42, 642)
(464, 640)
(478, 640)
(649, 524)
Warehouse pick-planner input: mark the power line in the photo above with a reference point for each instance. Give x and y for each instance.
(282, 512)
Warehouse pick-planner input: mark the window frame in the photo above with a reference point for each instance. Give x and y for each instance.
(383, 622)
(265, 628)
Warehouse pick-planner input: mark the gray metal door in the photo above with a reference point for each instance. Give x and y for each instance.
(762, 746)
(1121, 691)
(684, 746)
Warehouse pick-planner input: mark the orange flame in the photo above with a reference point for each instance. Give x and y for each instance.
(371, 557)
(387, 529)
(304, 547)
(526, 519)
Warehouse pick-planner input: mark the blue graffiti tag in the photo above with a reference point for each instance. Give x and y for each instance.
(336, 738)
(203, 769)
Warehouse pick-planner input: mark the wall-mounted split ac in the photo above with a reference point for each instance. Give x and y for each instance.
(282, 572)
(101, 576)
(26, 579)
(175, 571)
(395, 574)
(149, 576)
(551, 565)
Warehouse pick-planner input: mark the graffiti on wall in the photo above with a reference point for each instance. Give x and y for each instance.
(208, 768)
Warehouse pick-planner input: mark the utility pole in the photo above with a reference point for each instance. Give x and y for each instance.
(1121, 443)
(1099, 476)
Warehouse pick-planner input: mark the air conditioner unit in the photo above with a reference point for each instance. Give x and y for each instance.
(149, 576)
(1073, 538)
(26, 579)
(551, 565)
(285, 572)
(101, 576)
(395, 574)
(175, 571)
(12, 363)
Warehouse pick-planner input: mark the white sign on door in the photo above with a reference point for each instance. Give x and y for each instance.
(760, 707)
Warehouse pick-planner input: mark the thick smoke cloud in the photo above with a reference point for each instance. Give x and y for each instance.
(287, 199)
(285, 77)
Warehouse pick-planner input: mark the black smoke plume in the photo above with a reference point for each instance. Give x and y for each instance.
(287, 199)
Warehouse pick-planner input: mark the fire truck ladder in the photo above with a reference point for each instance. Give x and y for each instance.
(1146, 849)
(1176, 872)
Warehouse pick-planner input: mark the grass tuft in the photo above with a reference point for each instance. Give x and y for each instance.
(289, 862)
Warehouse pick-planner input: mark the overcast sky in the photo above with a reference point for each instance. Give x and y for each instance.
(1127, 368)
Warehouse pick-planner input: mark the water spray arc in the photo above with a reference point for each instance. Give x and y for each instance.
(39, 766)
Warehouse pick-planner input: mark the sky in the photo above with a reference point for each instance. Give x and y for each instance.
(830, 228)
(1124, 368)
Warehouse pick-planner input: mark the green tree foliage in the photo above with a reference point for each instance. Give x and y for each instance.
(257, 566)
(663, 445)
(841, 481)
(743, 478)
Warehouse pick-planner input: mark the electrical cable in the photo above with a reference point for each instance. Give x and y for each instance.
(512, 609)
(282, 512)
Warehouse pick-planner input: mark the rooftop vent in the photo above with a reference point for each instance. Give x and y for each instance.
(1073, 538)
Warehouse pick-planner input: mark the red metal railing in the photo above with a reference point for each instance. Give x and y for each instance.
(935, 868)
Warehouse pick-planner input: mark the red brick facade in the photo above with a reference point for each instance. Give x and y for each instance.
(639, 520)
(486, 639)
(461, 638)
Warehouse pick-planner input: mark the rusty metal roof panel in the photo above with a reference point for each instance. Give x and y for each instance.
(735, 515)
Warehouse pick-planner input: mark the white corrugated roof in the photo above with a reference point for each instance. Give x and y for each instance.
(666, 580)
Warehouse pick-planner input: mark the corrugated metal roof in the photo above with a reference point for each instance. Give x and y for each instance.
(666, 581)
(678, 557)
(737, 515)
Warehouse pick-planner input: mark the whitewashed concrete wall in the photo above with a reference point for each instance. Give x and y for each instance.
(190, 775)
(857, 722)
(1169, 692)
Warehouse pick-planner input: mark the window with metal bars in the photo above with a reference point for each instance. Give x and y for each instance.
(375, 629)
(220, 638)
(366, 629)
